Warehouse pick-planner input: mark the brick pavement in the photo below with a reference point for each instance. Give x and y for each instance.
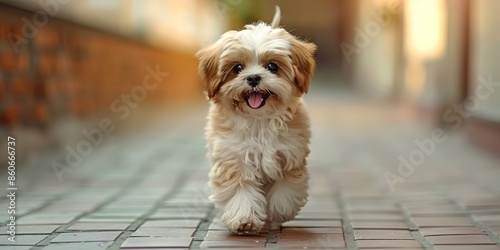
(149, 190)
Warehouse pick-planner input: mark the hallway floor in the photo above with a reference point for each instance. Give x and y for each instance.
(148, 190)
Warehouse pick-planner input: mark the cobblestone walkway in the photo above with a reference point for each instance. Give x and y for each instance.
(149, 190)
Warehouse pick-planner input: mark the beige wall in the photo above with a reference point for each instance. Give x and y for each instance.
(485, 55)
(375, 37)
(425, 50)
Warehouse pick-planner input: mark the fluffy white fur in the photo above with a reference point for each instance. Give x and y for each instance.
(258, 155)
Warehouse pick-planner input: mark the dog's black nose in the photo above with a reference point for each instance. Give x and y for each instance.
(253, 80)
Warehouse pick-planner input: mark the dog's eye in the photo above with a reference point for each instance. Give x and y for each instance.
(238, 68)
(273, 67)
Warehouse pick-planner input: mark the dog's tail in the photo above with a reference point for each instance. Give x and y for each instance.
(276, 19)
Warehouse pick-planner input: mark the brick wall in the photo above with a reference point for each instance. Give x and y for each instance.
(66, 69)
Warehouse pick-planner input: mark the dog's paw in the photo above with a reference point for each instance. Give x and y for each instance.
(244, 226)
(247, 228)
(245, 214)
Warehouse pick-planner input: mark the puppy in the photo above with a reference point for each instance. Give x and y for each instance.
(258, 128)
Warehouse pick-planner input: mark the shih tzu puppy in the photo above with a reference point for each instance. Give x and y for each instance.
(258, 128)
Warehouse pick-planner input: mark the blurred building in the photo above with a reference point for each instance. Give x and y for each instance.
(439, 56)
(77, 57)
(66, 64)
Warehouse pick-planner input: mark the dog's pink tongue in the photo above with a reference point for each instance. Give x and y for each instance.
(255, 100)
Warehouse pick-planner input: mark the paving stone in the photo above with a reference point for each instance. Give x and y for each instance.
(79, 246)
(22, 239)
(313, 223)
(124, 214)
(317, 206)
(31, 229)
(186, 204)
(127, 207)
(427, 208)
(362, 244)
(378, 225)
(430, 210)
(360, 210)
(106, 220)
(328, 203)
(15, 247)
(312, 230)
(4, 216)
(460, 240)
(233, 244)
(367, 234)
(188, 223)
(86, 226)
(179, 213)
(377, 217)
(373, 208)
(439, 214)
(467, 247)
(304, 241)
(164, 232)
(432, 231)
(496, 229)
(442, 221)
(308, 237)
(487, 217)
(493, 211)
(492, 223)
(86, 236)
(481, 205)
(73, 206)
(155, 242)
(317, 216)
(45, 219)
(214, 235)
(217, 225)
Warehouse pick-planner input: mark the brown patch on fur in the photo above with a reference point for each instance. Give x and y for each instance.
(208, 69)
(303, 63)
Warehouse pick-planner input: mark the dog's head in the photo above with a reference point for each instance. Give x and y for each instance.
(258, 71)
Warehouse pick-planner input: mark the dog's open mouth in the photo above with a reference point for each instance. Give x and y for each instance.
(256, 99)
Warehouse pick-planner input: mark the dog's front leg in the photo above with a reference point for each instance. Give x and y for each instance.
(237, 192)
(287, 196)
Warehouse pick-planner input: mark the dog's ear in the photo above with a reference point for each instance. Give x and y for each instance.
(303, 62)
(208, 69)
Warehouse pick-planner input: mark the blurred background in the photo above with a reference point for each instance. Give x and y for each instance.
(65, 65)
